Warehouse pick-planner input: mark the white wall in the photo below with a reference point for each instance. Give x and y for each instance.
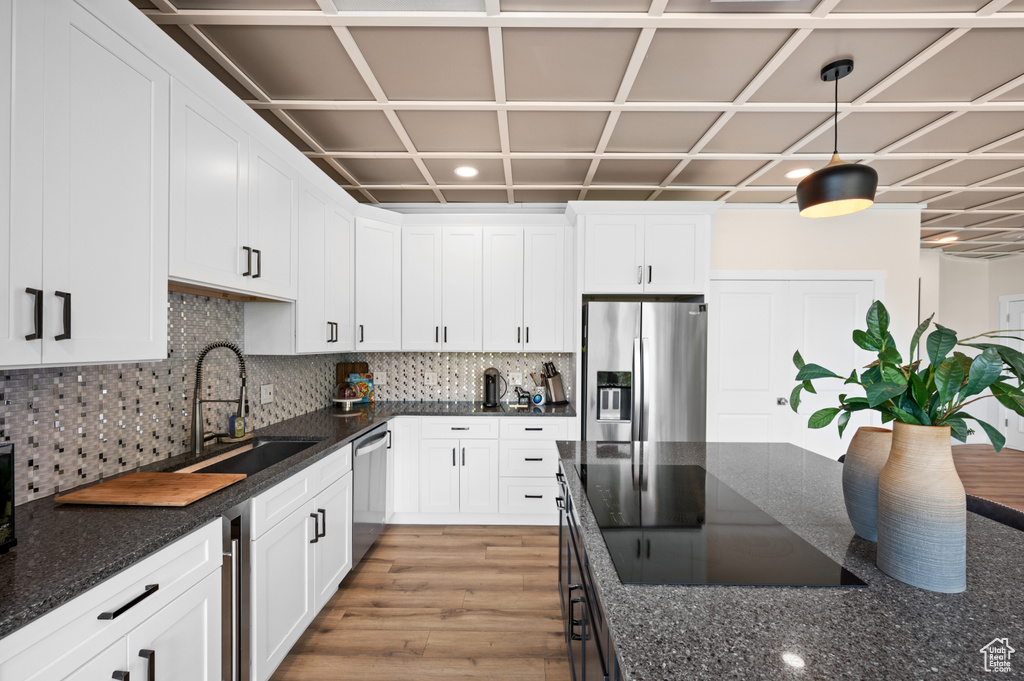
(880, 238)
(1006, 278)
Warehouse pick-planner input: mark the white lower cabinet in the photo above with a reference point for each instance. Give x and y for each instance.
(459, 476)
(332, 557)
(404, 466)
(106, 665)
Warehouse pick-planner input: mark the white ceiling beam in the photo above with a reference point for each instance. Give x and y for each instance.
(824, 7)
(492, 7)
(993, 7)
(165, 6)
(327, 7)
(498, 76)
(657, 8)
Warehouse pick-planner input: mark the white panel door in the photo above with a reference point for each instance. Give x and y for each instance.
(341, 277)
(405, 447)
(1015, 422)
(379, 286)
(503, 289)
(113, 659)
(333, 553)
(273, 194)
(105, 214)
(439, 476)
(312, 331)
(184, 637)
(544, 289)
(823, 315)
(675, 254)
(281, 589)
(421, 287)
(209, 193)
(461, 289)
(613, 254)
(748, 362)
(478, 486)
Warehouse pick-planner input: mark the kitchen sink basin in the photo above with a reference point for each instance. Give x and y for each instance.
(263, 455)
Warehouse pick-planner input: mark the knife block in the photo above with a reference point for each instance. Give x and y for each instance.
(555, 390)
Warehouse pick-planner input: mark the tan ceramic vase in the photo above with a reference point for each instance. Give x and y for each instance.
(865, 457)
(922, 511)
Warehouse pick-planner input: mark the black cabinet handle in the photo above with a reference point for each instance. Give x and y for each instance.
(527, 334)
(114, 614)
(519, 334)
(437, 331)
(330, 332)
(360, 333)
(67, 316)
(638, 549)
(463, 456)
(559, 476)
(38, 335)
(446, 334)
(259, 263)
(573, 622)
(559, 502)
(150, 656)
(535, 429)
(316, 528)
(534, 496)
(248, 261)
(650, 273)
(323, 512)
(533, 458)
(453, 456)
(460, 427)
(120, 676)
(389, 440)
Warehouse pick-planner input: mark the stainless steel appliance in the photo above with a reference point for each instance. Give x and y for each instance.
(369, 490)
(645, 370)
(492, 394)
(7, 539)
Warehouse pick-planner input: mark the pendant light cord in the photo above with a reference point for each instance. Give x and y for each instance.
(835, 122)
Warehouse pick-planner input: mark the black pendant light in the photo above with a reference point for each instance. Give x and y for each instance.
(839, 188)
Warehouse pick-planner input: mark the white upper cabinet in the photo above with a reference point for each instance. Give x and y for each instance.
(503, 289)
(421, 288)
(313, 331)
(379, 286)
(233, 204)
(91, 211)
(341, 277)
(647, 254)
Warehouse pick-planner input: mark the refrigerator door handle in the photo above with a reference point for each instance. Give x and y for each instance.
(637, 406)
(644, 406)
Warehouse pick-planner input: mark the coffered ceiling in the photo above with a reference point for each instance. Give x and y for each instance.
(656, 100)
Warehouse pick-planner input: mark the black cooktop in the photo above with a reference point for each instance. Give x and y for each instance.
(677, 524)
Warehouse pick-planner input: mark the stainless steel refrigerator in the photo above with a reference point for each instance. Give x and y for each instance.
(645, 371)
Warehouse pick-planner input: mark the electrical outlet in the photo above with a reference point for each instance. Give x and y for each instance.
(515, 378)
(380, 377)
(430, 378)
(267, 393)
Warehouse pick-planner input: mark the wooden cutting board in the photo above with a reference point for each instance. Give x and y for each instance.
(152, 489)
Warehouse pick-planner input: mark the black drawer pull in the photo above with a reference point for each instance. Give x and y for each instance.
(150, 590)
(534, 496)
(248, 261)
(259, 263)
(560, 502)
(323, 513)
(120, 676)
(460, 427)
(534, 429)
(150, 656)
(316, 528)
(38, 314)
(533, 458)
(67, 316)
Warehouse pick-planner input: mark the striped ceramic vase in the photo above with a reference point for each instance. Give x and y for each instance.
(867, 454)
(922, 511)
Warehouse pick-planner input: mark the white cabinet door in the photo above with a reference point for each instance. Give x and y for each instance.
(209, 194)
(379, 287)
(439, 476)
(105, 213)
(183, 640)
(340, 250)
(544, 289)
(421, 287)
(503, 289)
(281, 589)
(405, 448)
(312, 331)
(333, 552)
(461, 282)
(478, 486)
(273, 194)
(613, 254)
(675, 254)
(112, 659)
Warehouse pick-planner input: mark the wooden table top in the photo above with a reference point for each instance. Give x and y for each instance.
(996, 477)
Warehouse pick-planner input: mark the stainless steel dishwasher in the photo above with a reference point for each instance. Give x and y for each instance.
(369, 490)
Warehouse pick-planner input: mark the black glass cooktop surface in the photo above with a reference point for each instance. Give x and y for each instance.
(678, 524)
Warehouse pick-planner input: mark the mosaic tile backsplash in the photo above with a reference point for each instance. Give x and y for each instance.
(75, 425)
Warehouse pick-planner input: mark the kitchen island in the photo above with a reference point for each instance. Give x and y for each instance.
(888, 630)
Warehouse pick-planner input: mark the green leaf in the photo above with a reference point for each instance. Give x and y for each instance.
(957, 428)
(917, 336)
(872, 375)
(994, 435)
(1009, 396)
(905, 417)
(919, 390)
(809, 387)
(940, 342)
(794, 397)
(852, 379)
(857, 400)
(887, 417)
(985, 370)
(949, 376)
(880, 392)
(890, 354)
(844, 419)
(878, 321)
(810, 371)
(798, 360)
(864, 340)
(893, 375)
(908, 404)
(964, 360)
(822, 417)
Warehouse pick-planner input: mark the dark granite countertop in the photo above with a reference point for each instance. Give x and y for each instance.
(63, 550)
(888, 630)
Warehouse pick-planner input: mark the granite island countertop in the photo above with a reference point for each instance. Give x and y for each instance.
(64, 550)
(888, 630)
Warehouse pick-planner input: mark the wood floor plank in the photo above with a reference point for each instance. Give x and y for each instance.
(413, 579)
(389, 643)
(556, 668)
(392, 597)
(431, 619)
(432, 556)
(541, 540)
(414, 529)
(453, 541)
(333, 668)
(496, 644)
(512, 600)
(500, 530)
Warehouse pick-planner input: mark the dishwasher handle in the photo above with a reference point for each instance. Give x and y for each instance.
(368, 446)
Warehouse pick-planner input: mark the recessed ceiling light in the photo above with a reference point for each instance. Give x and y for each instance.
(466, 171)
(799, 173)
(793, 660)
(947, 239)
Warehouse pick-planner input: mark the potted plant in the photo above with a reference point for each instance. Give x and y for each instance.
(921, 501)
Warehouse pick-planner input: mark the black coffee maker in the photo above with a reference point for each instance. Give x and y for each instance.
(492, 392)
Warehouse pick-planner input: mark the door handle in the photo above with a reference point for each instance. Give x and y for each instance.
(37, 314)
(527, 334)
(650, 273)
(150, 656)
(114, 614)
(453, 456)
(640, 274)
(259, 263)
(781, 401)
(436, 332)
(330, 332)
(519, 334)
(67, 316)
(463, 456)
(360, 333)
(446, 334)
(316, 528)
(248, 261)
(323, 529)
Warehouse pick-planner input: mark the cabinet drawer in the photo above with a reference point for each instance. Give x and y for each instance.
(476, 428)
(528, 495)
(534, 428)
(64, 639)
(331, 468)
(274, 505)
(528, 459)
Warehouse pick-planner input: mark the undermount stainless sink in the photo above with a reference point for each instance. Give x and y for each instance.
(265, 453)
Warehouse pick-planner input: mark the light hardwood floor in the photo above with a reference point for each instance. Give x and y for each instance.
(442, 602)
